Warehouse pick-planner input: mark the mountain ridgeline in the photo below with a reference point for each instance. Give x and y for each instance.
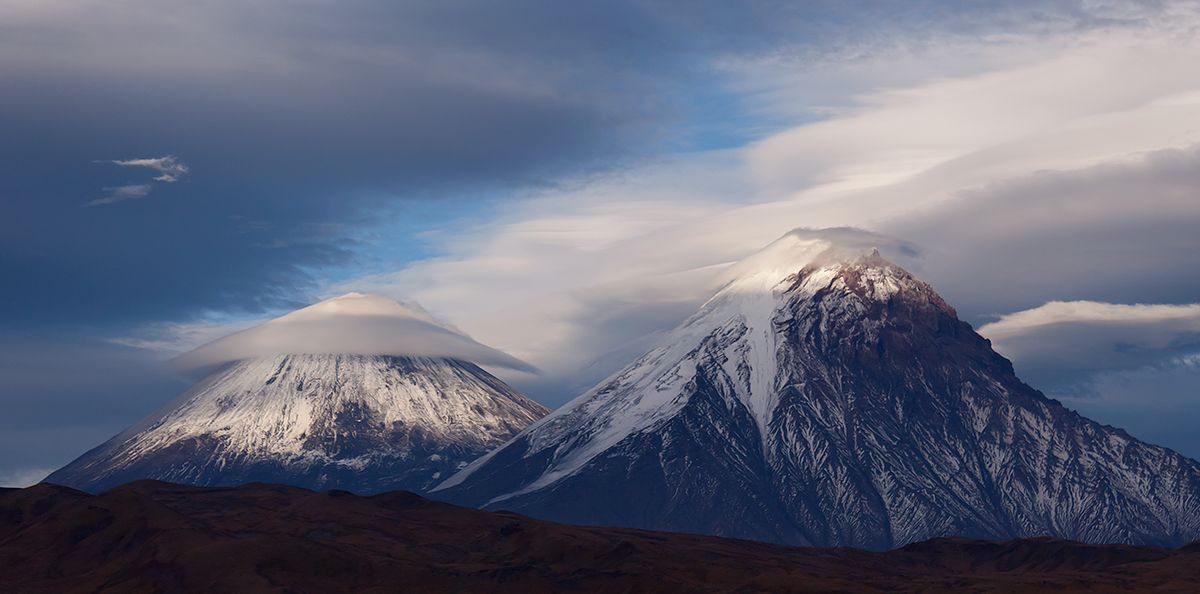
(823, 397)
(360, 423)
(336, 413)
(830, 399)
(148, 536)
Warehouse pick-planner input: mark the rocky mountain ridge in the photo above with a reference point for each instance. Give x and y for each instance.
(830, 398)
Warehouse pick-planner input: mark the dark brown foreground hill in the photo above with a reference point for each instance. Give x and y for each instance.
(157, 537)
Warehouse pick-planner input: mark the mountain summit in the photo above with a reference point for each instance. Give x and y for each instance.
(341, 419)
(827, 397)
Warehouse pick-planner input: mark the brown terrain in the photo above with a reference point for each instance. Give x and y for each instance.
(157, 537)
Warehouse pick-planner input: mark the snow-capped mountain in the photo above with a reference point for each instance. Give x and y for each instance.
(827, 397)
(358, 422)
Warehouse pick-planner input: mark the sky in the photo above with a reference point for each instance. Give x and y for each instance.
(564, 182)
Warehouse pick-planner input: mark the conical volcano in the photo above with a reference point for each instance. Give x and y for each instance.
(345, 419)
(827, 397)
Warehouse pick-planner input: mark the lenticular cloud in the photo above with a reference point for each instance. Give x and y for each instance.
(354, 324)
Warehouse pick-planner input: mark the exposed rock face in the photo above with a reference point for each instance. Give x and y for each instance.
(838, 401)
(360, 423)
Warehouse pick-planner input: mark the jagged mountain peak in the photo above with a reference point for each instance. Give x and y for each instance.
(742, 316)
(804, 248)
(867, 276)
(825, 396)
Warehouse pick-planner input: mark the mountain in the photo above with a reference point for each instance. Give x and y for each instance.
(155, 537)
(357, 422)
(826, 397)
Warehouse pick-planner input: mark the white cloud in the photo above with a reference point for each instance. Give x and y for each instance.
(170, 339)
(1177, 318)
(169, 167)
(121, 193)
(1063, 344)
(567, 278)
(1031, 140)
(350, 324)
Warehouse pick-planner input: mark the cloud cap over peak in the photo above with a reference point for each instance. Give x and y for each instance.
(356, 324)
(803, 246)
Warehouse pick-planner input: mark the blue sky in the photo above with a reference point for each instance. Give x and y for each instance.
(560, 180)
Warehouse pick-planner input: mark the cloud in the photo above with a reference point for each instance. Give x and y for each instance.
(1016, 180)
(363, 114)
(1118, 231)
(1063, 345)
(1135, 366)
(121, 193)
(524, 156)
(169, 167)
(170, 339)
(350, 324)
(376, 114)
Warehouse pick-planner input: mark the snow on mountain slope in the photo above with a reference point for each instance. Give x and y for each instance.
(652, 388)
(825, 396)
(359, 422)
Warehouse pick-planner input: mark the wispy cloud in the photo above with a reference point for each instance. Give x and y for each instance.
(1181, 317)
(170, 169)
(122, 193)
(170, 339)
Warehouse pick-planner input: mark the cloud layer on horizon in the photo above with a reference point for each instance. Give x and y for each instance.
(1063, 345)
